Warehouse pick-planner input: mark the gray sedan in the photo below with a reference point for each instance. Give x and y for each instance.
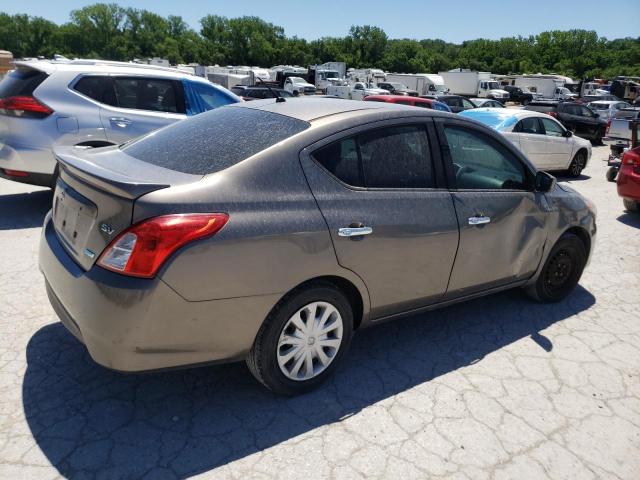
(188, 246)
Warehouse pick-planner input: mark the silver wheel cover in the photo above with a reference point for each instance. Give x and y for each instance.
(309, 341)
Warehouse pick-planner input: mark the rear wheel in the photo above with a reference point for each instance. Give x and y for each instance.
(612, 173)
(631, 205)
(562, 270)
(303, 340)
(525, 102)
(577, 164)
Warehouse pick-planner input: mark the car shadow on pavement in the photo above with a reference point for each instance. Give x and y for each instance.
(92, 422)
(24, 210)
(630, 219)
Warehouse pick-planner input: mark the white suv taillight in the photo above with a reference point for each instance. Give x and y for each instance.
(141, 250)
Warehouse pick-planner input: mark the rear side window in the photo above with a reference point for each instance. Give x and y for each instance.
(529, 125)
(98, 88)
(208, 143)
(393, 157)
(21, 82)
(152, 94)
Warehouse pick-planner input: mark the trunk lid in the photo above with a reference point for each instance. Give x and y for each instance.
(95, 195)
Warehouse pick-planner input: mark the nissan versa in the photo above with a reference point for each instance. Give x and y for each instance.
(187, 246)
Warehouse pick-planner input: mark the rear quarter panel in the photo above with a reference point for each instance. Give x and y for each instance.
(275, 239)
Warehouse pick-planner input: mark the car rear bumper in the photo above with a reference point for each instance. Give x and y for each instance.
(132, 324)
(38, 164)
(629, 183)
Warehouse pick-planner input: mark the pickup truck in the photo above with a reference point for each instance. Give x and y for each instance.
(357, 91)
(619, 131)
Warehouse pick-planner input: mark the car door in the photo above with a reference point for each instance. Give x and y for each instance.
(501, 218)
(559, 146)
(532, 141)
(590, 120)
(381, 191)
(141, 105)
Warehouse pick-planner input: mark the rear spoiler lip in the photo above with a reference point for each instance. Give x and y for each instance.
(40, 65)
(103, 178)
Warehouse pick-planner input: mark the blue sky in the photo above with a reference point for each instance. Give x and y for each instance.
(450, 20)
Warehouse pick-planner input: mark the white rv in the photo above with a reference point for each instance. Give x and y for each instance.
(473, 84)
(423, 83)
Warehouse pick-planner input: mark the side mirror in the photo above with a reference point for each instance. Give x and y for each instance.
(567, 133)
(544, 182)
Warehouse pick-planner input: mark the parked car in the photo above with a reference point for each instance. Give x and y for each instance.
(456, 103)
(629, 180)
(487, 103)
(299, 86)
(516, 94)
(541, 138)
(249, 93)
(580, 119)
(606, 108)
(90, 104)
(619, 137)
(412, 101)
(177, 254)
(598, 98)
(395, 88)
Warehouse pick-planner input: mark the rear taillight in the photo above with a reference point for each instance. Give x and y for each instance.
(632, 157)
(141, 250)
(606, 132)
(553, 114)
(24, 106)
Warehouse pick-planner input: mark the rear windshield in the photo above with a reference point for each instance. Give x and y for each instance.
(21, 83)
(215, 140)
(599, 106)
(541, 108)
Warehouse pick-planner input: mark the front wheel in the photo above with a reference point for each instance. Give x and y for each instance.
(562, 270)
(612, 173)
(303, 340)
(577, 164)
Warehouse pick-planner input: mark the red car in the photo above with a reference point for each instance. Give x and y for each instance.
(629, 180)
(413, 101)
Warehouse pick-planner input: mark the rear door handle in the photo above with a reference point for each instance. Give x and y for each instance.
(121, 122)
(354, 231)
(479, 220)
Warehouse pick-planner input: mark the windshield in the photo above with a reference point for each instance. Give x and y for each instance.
(208, 142)
(297, 80)
(331, 75)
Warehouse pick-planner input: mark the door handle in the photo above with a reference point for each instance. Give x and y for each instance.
(121, 122)
(354, 231)
(479, 220)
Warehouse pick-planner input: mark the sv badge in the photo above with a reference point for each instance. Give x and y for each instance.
(106, 228)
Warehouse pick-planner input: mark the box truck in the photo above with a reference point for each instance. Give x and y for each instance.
(473, 84)
(423, 83)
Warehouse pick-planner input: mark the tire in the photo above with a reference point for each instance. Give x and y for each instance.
(562, 270)
(270, 350)
(631, 205)
(525, 102)
(612, 173)
(577, 165)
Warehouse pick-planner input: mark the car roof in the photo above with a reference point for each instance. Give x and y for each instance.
(309, 108)
(397, 98)
(106, 67)
(499, 112)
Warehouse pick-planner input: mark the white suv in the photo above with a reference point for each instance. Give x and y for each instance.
(89, 103)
